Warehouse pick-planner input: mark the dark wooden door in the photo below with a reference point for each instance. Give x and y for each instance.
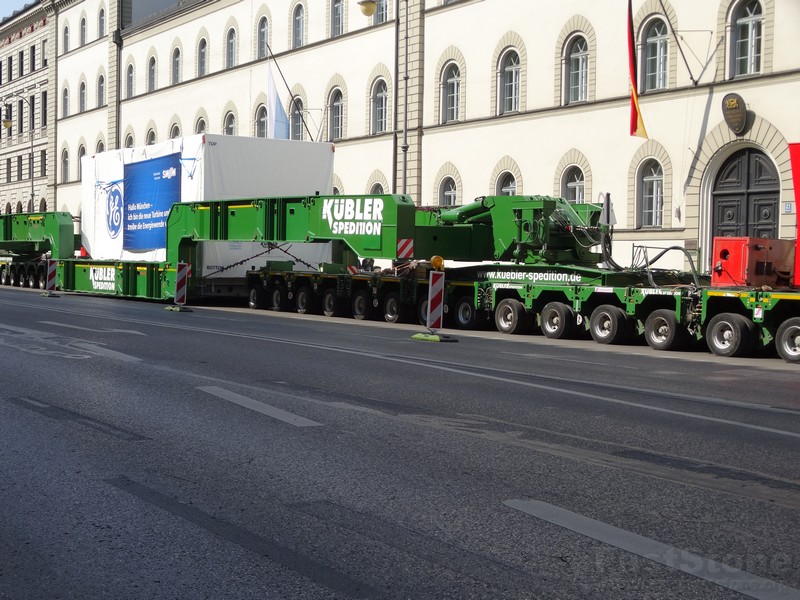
(745, 197)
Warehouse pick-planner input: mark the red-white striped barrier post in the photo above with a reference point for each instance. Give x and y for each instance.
(181, 283)
(50, 280)
(435, 301)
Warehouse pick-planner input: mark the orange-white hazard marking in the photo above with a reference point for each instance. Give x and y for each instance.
(405, 248)
(435, 300)
(50, 281)
(181, 283)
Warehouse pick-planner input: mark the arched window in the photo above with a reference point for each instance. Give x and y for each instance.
(746, 51)
(83, 31)
(298, 26)
(578, 71)
(202, 51)
(337, 17)
(81, 154)
(174, 131)
(65, 40)
(376, 189)
(263, 37)
(129, 141)
(336, 112)
(65, 103)
(510, 80)
(261, 121)
(82, 97)
(176, 66)
(230, 124)
(380, 104)
(150, 139)
(451, 92)
(297, 119)
(101, 91)
(101, 147)
(572, 186)
(447, 192)
(64, 166)
(655, 56)
(200, 126)
(151, 74)
(230, 49)
(651, 194)
(506, 185)
(129, 82)
(101, 23)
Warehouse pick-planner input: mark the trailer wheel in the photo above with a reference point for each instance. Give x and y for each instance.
(730, 334)
(663, 332)
(39, 282)
(331, 305)
(466, 316)
(279, 297)
(608, 324)
(422, 311)
(509, 316)
(4, 278)
(558, 320)
(362, 305)
(787, 340)
(256, 296)
(15, 278)
(305, 301)
(393, 309)
(33, 279)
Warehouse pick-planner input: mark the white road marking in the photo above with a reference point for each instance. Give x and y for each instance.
(95, 349)
(721, 574)
(260, 407)
(131, 331)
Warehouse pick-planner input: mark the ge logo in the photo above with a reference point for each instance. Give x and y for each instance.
(114, 212)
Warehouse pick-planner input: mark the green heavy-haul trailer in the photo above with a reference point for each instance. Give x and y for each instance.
(519, 263)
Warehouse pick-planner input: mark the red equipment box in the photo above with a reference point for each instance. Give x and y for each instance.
(755, 262)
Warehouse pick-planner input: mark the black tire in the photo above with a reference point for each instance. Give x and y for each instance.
(331, 304)
(279, 297)
(558, 321)
(256, 296)
(362, 305)
(730, 334)
(306, 301)
(465, 314)
(663, 332)
(422, 311)
(509, 316)
(787, 340)
(4, 277)
(609, 325)
(393, 309)
(39, 280)
(15, 278)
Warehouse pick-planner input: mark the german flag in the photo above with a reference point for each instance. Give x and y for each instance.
(637, 125)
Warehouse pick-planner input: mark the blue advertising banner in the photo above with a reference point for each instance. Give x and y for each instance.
(151, 188)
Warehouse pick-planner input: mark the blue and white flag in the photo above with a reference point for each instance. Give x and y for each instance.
(277, 120)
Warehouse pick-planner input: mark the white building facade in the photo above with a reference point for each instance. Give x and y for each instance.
(443, 100)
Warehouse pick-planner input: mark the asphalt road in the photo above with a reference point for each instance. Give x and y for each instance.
(226, 453)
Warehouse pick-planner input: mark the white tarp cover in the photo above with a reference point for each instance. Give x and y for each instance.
(193, 168)
(221, 260)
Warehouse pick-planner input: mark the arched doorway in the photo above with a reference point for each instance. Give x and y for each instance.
(745, 196)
